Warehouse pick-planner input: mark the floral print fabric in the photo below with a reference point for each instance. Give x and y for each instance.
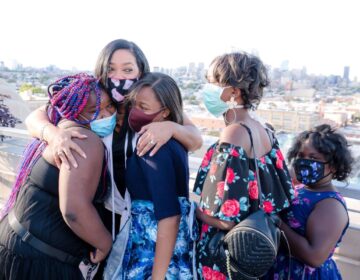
(296, 217)
(140, 250)
(227, 184)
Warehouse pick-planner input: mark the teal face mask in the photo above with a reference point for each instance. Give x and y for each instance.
(212, 100)
(104, 127)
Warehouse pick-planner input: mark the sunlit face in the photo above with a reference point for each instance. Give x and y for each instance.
(107, 107)
(147, 102)
(123, 66)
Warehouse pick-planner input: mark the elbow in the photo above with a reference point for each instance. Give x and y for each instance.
(69, 217)
(314, 263)
(315, 260)
(69, 214)
(226, 225)
(197, 143)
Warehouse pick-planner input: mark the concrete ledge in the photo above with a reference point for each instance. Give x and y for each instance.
(349, 268)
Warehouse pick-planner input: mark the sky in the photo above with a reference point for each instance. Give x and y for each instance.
(322, 36)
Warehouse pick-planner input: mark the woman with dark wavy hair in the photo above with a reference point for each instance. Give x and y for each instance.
(318, 217)
(227, 181)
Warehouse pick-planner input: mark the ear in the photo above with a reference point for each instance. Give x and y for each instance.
(237, 94)
(165, 113)
(332, 169)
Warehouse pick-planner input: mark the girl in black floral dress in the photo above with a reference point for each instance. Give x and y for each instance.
(226, 180)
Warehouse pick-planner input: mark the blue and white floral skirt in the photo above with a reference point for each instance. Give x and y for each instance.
(140, 249)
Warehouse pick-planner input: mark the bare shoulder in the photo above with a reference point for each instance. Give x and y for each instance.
(92, 145)
(237, 135)
(331, 213)
(332, 207)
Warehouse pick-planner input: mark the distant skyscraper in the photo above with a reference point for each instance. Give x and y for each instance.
(346, 73)
(201, 66)
(191, 68)
(284, 65)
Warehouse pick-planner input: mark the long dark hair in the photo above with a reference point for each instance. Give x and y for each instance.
(104, 58)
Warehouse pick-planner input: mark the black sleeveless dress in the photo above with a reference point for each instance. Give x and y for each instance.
(37, 209)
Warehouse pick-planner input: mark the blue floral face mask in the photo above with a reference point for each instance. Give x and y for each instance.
(104, 127)
(309, 171)
(212, 100)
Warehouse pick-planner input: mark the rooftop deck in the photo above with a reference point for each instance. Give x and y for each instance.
(347, 256)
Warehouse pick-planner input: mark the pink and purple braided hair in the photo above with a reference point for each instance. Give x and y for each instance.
(68, 98)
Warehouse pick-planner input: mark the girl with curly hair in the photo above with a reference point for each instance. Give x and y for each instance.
(318, 217)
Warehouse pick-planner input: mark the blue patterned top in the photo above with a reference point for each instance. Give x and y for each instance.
(296, 217)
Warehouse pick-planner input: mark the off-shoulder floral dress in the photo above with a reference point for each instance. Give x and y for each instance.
(226, 182)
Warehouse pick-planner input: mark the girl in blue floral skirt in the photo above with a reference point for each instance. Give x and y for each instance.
(157, 241)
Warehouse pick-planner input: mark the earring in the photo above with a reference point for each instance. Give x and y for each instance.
(232, 103)
(233, 120)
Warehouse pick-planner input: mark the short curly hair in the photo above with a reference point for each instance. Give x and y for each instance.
(331, 144)
(244, 71)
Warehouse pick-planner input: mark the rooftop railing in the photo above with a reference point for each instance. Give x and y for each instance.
(13, 142)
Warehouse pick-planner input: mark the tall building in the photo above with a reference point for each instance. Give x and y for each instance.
(284, 66)
(191, 68)
(346, 73)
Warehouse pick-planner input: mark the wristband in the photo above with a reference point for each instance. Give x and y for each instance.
(42, 131)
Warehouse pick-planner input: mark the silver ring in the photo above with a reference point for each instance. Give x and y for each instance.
(152, 142)
(60, 153)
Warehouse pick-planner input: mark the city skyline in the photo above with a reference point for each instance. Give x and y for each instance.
(316, 35)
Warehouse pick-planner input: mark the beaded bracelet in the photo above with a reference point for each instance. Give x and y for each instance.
(42, 131)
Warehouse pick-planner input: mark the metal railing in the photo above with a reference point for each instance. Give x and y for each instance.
(14, 132)
(347, 256)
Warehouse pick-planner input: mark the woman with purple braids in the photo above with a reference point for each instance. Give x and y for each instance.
(118, 66)
(51, 226)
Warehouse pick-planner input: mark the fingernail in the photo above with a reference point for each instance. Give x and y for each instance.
(84, 155)
(75, 165)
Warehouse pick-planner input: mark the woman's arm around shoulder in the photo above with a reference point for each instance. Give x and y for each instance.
(58, 139)
(160, 132)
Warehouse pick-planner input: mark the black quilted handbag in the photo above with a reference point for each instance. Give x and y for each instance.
(249, 249)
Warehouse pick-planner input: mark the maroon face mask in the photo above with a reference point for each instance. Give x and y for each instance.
(137, 118)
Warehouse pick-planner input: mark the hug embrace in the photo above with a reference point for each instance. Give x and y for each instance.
(104, 189)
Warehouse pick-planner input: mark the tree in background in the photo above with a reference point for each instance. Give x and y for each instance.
(6, 118)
